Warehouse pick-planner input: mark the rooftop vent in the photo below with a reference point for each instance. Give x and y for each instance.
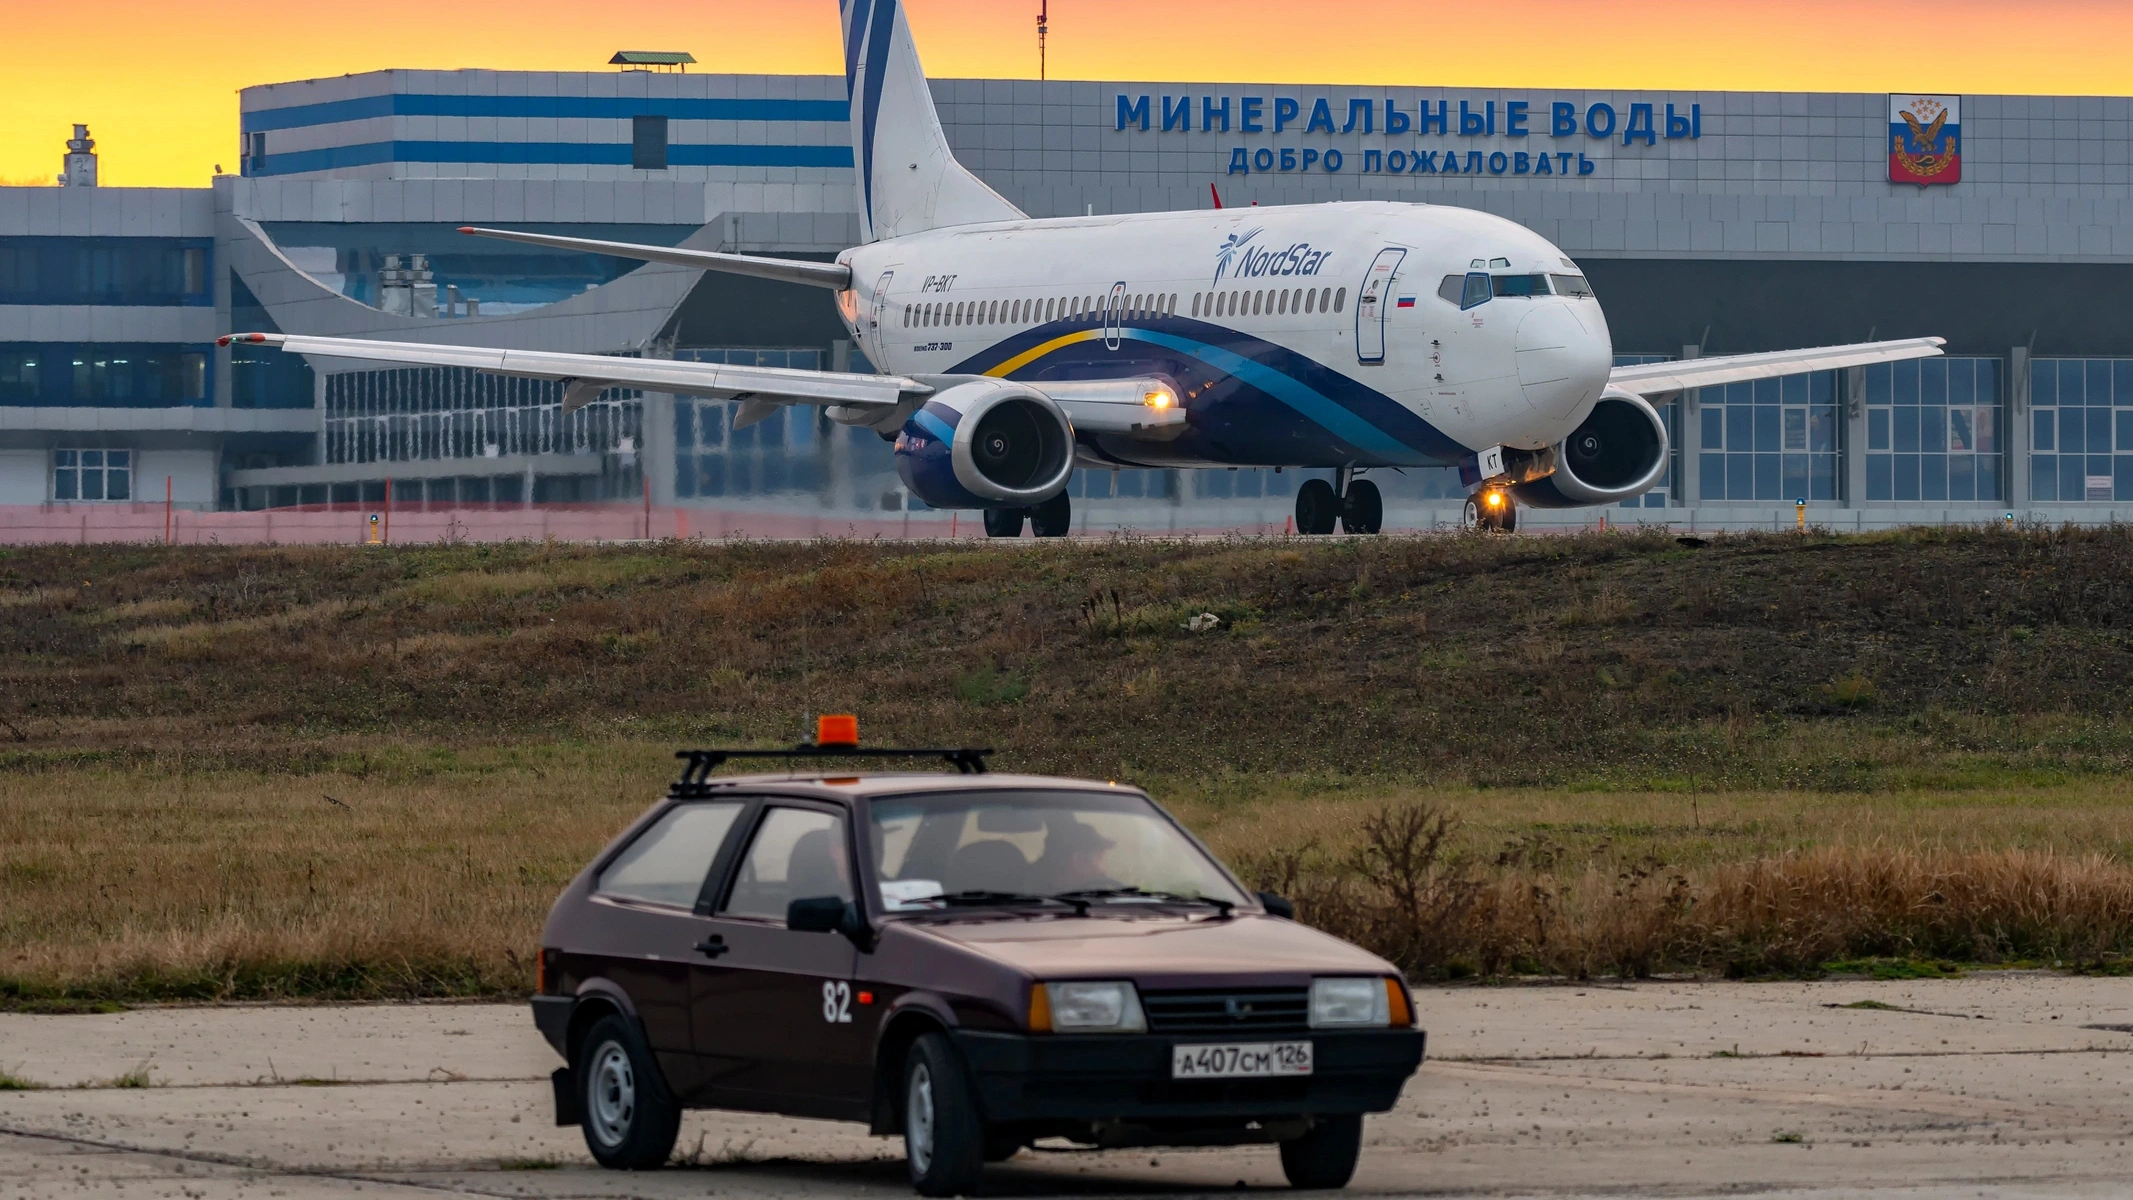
(652, 60)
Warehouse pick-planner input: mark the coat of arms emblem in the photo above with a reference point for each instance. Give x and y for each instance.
(1925, 139)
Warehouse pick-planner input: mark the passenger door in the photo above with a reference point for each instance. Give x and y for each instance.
(642, 920)
(1370, 302)
(1114, 315)
(877, 339)
(776, 1015)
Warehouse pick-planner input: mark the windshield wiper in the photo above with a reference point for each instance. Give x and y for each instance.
(1087, 894)
(977, 896)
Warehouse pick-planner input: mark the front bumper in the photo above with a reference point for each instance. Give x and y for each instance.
(1126, 1077)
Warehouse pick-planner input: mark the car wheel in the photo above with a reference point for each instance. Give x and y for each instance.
(1001, 1145)
(629, 1116)
(1324, 1157)
(944, 1142)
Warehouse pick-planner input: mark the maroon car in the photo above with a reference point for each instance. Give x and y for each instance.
(972, 960)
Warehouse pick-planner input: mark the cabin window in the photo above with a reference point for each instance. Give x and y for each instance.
(1340, 299)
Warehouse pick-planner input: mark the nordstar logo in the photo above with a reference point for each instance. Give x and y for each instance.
(1243, 261)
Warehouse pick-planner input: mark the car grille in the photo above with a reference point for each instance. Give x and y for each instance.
(1233, 1011)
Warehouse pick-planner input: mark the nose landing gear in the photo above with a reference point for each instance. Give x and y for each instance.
(1356, 505)
(1490, 510)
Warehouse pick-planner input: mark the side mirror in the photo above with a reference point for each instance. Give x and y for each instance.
(822, 914)
(1275, 906)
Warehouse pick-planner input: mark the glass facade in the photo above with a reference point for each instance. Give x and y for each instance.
(2081, 429)
(157, 272)
(1933, 430)
(92, 475)
(105, 375)
(262, 376)
(1771, 439)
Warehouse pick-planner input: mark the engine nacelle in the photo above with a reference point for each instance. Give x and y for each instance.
(1620, 451)
(986, 444)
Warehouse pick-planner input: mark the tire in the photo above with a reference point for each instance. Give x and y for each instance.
(1004, 522)
(1470, 516)
(1507, 520)
(1316, 507)
(1001, 1145)
(1363, 511)
(1324, 1157)
(629, 1117)
(1053, 518)
(944, 1140)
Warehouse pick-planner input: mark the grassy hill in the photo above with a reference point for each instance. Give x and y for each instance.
(356, 771)
(1628, 660)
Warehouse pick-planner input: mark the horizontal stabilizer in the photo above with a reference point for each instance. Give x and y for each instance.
(785, 270)
(586, 375)
(1659, 378)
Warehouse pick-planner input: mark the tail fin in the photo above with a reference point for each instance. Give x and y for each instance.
(909, 181)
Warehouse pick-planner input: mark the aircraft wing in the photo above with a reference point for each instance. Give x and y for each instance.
(786, 270)
(1653, 379)
(764, 389)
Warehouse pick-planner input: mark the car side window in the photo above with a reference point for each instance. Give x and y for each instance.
(668, 862)
(797, 854)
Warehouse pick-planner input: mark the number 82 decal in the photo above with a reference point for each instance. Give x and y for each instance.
(837, 1002)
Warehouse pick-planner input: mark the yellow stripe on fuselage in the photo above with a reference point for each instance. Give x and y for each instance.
(1031, 355)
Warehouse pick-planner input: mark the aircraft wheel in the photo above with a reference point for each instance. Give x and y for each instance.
(1316, 507)
(1489, 512)
(1053, 518)
(1004, 522)
(1363, 509)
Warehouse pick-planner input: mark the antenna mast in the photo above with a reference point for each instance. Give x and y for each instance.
(1043, 11)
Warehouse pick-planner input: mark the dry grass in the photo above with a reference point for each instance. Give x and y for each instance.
(1745, 756)
(431, 875)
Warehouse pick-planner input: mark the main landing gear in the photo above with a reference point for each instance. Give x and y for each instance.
(1490, 510)
(1053, 518)
(1355, 503)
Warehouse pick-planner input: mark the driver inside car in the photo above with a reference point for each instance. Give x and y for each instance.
(1073, 857)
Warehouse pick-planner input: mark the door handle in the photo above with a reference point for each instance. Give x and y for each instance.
(713, 946)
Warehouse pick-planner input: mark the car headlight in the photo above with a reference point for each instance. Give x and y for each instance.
(1108, 1007)
(1355, 1001)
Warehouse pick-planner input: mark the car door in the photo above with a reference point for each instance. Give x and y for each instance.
(776, 1018)
(643, 924)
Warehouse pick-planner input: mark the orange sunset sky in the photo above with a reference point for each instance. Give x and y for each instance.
(157, 82)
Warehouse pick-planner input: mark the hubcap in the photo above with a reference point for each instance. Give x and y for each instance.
(918, 1120)
(614, 1094)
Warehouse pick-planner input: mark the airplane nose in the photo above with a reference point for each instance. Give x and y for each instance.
(1562, 365)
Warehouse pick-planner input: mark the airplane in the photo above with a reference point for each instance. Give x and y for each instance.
(1346, 336)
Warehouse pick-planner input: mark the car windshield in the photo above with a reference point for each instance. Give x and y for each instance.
(981, 848)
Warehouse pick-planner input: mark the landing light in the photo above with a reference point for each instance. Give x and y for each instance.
(1495, 499)
(1158, 398)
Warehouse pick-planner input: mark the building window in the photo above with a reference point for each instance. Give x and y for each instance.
(121, 271)
(255, 154)
(1933, 430)
(2081, 429)
(1770, 439)
(92, 475)
(1669, 412)
(104, 375)
(648, 143)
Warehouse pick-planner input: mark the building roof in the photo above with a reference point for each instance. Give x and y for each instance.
(651, 58)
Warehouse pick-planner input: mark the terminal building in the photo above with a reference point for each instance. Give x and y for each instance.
(1708, 223)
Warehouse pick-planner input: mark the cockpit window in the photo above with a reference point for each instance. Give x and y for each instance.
(1571, 285)
(1521, 285)
(1453, 289)
(1477, 290)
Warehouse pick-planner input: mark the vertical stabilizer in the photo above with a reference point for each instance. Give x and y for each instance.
(908, 180)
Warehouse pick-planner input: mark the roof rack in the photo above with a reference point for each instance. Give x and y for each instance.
(695, 776)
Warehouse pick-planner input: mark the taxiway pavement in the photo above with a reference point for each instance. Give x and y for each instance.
(2003, 1085)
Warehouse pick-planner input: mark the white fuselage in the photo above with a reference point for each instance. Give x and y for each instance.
(1321, 334)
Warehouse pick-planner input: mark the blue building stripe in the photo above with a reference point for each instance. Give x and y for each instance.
(407, 104)
(334, 158)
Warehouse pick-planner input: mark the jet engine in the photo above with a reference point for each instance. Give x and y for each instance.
(1620, 451)
(987, 443)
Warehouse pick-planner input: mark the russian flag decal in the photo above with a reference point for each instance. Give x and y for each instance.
(1407, 302)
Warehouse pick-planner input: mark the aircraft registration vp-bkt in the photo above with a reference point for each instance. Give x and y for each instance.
(1346, 336)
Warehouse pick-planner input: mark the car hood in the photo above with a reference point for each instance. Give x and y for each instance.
(1156, 951)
